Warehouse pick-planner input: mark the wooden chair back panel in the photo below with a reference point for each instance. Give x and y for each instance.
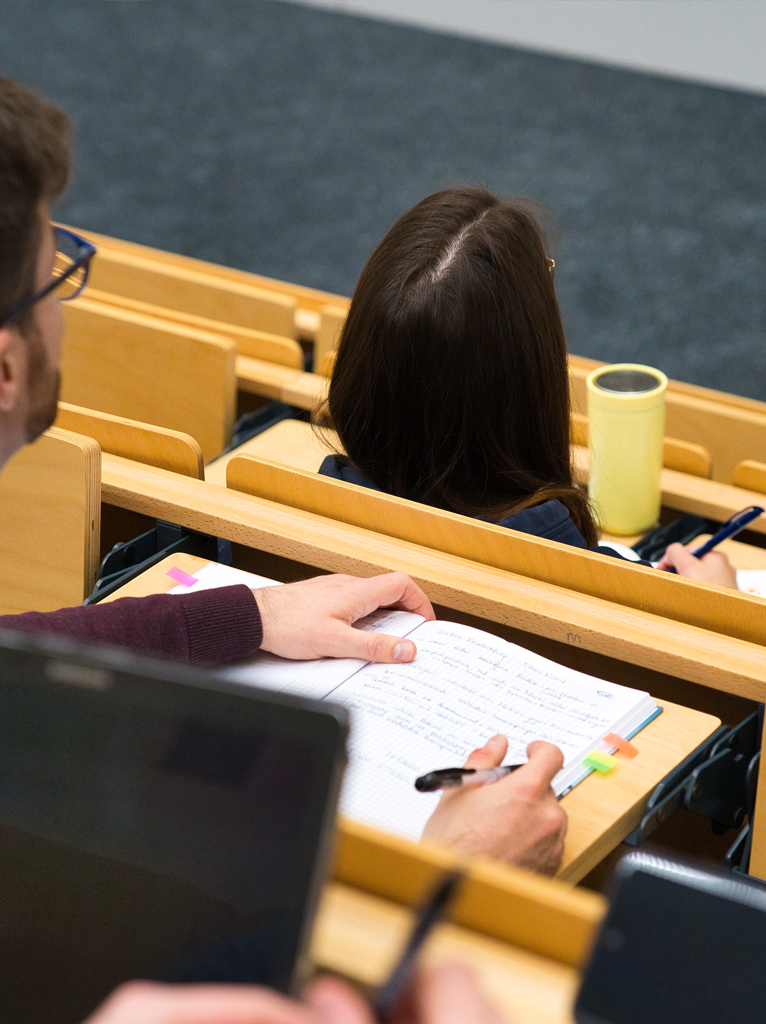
(731, 429)
(751, 475)
(192, 291)
(150, 370)
(683, 456)
(332, 319)
(141, 442)
(309, 299)
(258, 344)
(575, 569)
(50, 523)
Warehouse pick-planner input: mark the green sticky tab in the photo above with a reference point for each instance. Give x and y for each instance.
(600, 761)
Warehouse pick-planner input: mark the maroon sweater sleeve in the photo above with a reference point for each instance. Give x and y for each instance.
(205, 628)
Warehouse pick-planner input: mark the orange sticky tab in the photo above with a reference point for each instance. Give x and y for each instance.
(622, 745)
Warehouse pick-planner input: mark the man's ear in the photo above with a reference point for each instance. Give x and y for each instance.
(10, 369)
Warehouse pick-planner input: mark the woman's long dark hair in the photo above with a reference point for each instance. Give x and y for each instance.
(450, 386)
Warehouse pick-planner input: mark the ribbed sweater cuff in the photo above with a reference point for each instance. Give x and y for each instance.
(224, 625)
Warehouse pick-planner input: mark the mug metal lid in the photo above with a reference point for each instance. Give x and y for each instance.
(627, 381)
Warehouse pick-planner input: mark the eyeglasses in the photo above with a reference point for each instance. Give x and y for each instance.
(69, 275)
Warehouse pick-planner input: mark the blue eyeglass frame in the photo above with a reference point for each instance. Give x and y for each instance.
(86, 251)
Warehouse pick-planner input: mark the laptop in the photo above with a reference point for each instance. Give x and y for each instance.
(155, 822)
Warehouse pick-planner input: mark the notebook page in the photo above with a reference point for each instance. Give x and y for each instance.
(319, 677)
(464, 686)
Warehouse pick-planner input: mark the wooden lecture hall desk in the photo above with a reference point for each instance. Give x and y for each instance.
(603, 809)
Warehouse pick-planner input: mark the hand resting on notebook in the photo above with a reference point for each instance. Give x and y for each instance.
(313, 618)
(447, 994)
(517, 820)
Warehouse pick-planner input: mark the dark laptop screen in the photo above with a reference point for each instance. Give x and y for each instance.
(151, 828)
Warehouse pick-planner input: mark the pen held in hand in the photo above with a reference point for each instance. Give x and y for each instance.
(450, 778)
(734, 525)
(390, 992)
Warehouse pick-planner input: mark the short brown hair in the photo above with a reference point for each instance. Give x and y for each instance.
(34, 168)
(450, 386)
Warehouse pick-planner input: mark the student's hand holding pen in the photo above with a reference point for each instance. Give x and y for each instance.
(714, 567)
(447, 994)
(517, 820)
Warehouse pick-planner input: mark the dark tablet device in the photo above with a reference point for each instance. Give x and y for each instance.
(155, 822)
(680, 945)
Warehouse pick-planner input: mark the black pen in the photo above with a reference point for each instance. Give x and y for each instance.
(390, 992)
(447, 778)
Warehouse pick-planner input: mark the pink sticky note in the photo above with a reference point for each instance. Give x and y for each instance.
(185, 578)
(622, 745)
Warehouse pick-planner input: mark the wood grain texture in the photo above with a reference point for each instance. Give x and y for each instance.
(586, 572)
(50, 520)
(272, 348)
(257, 377)
(192, 291)
(627, 634)
(151, 370)
(360, 937)
(309, 299)
(291, 443)
(751, 475)
(141, 442)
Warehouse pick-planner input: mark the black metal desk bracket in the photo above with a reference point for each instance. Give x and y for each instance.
(717, 781)
(128, 560)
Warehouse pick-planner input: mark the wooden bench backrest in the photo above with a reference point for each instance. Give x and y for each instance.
(151, 370)
(576, 569)
(751, 475)
(50, 523)
(309, 299)
(142, 442)
(192, 291)
(257, 344)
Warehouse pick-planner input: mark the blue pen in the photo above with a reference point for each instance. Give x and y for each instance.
(730, 528)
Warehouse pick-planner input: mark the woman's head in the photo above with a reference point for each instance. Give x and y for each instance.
(450, 385)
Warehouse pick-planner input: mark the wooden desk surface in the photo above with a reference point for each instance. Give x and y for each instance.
(603, 809)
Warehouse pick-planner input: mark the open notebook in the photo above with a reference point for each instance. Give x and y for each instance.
(464, 686)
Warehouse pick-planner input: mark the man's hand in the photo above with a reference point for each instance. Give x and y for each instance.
(714, 567)
(145, 1002)
(313, 619)
(517, 820)
(443, 995)
(447, 994)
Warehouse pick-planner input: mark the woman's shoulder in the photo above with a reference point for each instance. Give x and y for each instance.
(551, 520)
(337, 467)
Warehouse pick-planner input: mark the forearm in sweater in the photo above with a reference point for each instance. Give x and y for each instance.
(206, 628)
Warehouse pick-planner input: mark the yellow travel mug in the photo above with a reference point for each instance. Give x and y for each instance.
(626, 428)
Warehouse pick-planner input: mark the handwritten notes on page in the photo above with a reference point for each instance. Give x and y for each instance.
(464, 687)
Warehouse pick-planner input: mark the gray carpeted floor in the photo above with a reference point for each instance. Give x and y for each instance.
(286, 140)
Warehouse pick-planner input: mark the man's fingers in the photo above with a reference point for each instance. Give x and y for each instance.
(490, 755)
(337, 1002)
(545, 761)
(346, 642)
(397, 590)
(152, 1003)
